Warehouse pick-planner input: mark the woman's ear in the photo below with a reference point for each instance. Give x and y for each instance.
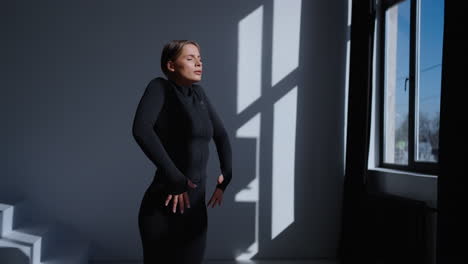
(170, 66)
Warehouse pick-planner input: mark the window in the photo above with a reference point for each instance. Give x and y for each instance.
(410, 70)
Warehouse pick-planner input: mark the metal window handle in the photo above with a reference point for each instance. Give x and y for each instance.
(406, 81)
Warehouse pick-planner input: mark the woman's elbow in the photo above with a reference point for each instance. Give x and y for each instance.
(137, 131)
(221, 136)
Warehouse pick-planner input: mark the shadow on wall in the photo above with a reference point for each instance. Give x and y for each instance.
(13, 256)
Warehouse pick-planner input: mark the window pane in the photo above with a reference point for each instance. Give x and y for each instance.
(429, 75)
(397, 53)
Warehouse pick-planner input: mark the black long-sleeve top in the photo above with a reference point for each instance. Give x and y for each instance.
(173, 125)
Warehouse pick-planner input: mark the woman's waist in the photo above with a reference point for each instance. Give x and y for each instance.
(161, 190)
(195, 175)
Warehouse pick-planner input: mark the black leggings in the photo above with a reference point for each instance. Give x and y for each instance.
(169, 237)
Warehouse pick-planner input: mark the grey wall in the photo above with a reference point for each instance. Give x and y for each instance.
(73, 73)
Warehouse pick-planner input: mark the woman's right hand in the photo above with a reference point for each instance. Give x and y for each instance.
(181, 199)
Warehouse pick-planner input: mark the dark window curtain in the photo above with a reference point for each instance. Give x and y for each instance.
(452, 188)
(353, 242)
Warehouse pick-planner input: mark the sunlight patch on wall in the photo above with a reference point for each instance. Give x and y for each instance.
(251, 129)
(249, 70)
(286, 33)
(284, 148)
(285, 60)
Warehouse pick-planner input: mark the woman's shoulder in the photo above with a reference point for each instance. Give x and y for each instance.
(158, 83)
(159, 80)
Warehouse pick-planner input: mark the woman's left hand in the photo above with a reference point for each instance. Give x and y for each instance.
(217, 196)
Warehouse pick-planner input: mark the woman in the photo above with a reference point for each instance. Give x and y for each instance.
(174, 122)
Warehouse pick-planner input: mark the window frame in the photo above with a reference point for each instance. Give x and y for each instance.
(413, 165)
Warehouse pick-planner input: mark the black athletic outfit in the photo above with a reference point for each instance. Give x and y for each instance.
(173, 125)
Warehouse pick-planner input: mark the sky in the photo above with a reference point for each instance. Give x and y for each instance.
(430, 56)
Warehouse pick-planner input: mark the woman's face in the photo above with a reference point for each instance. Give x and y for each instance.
(187, 68)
